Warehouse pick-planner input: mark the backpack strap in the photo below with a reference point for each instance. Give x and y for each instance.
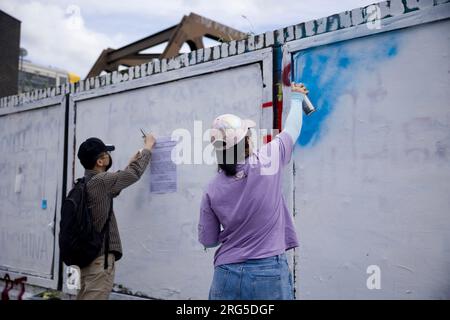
(105, 233)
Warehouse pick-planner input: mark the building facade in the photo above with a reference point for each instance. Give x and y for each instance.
(9, 55)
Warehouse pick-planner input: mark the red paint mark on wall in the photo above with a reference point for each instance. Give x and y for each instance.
(286, 75)
(279, 107)
(279, 114)
(267, 104)
(267, 138)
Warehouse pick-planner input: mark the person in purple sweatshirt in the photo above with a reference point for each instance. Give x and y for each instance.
(243, 210)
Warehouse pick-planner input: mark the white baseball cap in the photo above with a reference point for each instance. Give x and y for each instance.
(228, 130)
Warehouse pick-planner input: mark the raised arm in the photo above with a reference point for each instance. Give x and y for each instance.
(294, 120)
(116, 181)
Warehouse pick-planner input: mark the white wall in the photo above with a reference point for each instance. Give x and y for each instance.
(162, 256)
(31, 148)
(373, 166)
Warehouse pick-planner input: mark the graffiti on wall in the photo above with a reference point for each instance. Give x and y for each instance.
(331, 71)
(372, 166)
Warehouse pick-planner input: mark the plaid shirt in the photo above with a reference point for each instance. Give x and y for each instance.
(105, 185)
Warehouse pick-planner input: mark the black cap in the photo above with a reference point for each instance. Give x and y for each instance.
(90, 150)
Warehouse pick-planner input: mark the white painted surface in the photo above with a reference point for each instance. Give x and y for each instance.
(372, 184)
(31, 158)
(162, 257)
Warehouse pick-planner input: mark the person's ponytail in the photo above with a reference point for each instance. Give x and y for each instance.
(229, 169)
(228, 159)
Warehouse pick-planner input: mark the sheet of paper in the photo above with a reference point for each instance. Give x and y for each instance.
(163, 171)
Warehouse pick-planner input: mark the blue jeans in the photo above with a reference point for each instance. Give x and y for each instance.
(256, 279)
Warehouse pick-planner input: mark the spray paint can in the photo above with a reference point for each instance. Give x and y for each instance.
(308, 107)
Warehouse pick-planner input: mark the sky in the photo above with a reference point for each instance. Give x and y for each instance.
(71, 34)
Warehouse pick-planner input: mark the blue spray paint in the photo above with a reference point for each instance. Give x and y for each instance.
(330, 70)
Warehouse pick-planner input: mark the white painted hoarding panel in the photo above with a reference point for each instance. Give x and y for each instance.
(31, 149)
(162, 256)
(373, 166)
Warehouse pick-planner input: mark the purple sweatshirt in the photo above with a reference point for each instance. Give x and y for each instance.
(247, 214)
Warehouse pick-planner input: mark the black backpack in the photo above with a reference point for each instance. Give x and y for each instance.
(79, 242)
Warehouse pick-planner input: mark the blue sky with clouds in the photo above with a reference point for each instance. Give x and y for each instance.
(70, 34)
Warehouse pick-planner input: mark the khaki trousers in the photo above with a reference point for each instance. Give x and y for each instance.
(96, 283)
